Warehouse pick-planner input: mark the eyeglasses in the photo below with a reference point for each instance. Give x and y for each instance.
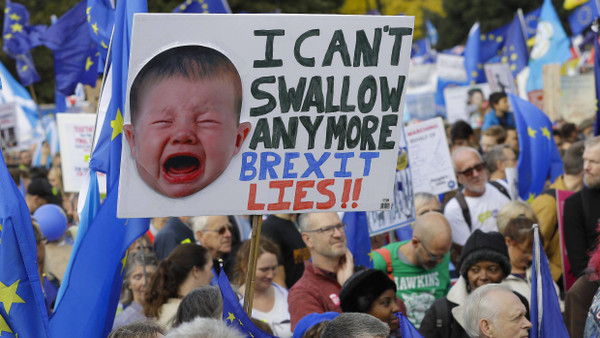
(223, 229)
(432, 257)
(328, 230)
(469, 171)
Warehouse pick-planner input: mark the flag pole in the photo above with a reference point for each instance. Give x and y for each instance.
(251, 273)
(37, 108)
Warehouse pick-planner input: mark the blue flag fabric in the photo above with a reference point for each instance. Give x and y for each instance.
(101, 19)
(583, 16)
(539, 158)
(473, 58)
(22, 310)
(233, 313)
(407, 329)
(357, 237)
(75, 59)
(551, 46)
(203, 6)
(514, 51)
(597, 82)
(91, 293)
(531, 21)
(545, 316)
(26, 69)
(19, 36)
(432, 33)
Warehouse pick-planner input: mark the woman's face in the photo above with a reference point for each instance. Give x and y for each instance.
(484, 272)
(266, 269)
(137, 283)
(384, 307)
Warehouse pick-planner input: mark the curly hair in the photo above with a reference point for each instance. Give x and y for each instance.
(171, 273)
(241, 258)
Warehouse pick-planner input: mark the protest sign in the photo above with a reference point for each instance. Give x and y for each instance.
(8, 125)
(500, 78)
(451, 67)
(75, 133)
(428, 155)
(578, 99)
(402, 207)
(458, 103)
(321, 113)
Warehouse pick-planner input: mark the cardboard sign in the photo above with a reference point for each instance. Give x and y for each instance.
(429, 156)
(75, 133)
(8, 125)
(402, 206)
(321, 112)
(578, 99)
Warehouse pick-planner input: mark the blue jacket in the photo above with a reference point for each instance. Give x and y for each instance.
(491, 119)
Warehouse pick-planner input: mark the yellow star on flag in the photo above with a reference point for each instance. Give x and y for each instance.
(474, 73)
(123, 261)
(117, 124)
(15, 16)
(530, 198)
(240, 321)
(370, 256)
(87, 10)
(16, 27)
(546, 132)
(88, 63)
(8, 295)
(531, 132)
(4, 326)
(7, 36)
(504, 59)
(95, 28)
(482, 37)
(513, 56)
(513, 67)
(230, 317)
(24, 68)
(6, 10)
(499, 39)
(103, 44)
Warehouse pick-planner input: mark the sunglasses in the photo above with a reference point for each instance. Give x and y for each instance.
(469, 171)
(222, 230)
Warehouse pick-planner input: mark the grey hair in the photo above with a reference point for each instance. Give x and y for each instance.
(461, 150)
(303, 222)
(355, 325)
(591, 142)
(204, 328)
(478, 305)
(205, 301)
(494, 155)
(424, 198)
(199, 223)
(139, 258)
(143, 329)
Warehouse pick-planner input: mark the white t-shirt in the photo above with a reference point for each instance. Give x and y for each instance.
(279, 316)
(483, 210)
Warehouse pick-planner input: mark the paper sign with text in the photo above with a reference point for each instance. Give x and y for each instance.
(429, 157)
(8, 125)
(75, 133)
(261, 114)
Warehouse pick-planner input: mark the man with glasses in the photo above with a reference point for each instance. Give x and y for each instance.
(420, 265)
(477, 205)
(332, 264)
(214, 233)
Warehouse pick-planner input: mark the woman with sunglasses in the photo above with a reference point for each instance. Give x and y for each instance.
(187, 267)
(270, 299)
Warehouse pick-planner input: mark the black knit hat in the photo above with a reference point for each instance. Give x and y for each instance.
(363, 288)
(485, 246)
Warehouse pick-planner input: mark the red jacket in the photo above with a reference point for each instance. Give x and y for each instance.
(317, 291)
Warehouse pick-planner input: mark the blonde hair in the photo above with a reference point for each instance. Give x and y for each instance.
(514, 209)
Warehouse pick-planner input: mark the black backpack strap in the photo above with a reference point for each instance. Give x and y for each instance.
(460, 198)
(501, 188)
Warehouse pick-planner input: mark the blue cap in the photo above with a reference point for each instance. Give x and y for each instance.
(311, 320)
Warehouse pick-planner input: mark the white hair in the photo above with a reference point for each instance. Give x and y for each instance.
(479, 305)
(458, 151)
(204, 328)
(199, 223)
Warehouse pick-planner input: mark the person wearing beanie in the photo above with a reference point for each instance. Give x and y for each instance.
(484, 260)
(373, 292)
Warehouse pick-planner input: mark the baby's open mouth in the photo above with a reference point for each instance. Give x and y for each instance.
(182, 168)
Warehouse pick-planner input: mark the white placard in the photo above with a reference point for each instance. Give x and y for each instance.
(323, 97)
(500, 78)
(75, 133)
(8, 125)
(457, 101)
(451, 67)
(429, 157)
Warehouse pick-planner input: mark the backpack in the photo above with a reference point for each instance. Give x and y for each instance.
(387, 256)
(460, 198)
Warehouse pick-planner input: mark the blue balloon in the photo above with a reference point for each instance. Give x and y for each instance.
(52, 220)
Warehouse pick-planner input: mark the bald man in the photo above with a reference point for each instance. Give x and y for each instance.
(420, 265)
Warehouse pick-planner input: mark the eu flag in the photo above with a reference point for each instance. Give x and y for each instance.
(22, 307)
(551, 45)
(583, 16)
(531, 21)
(233, 313)
(91, 292)
(407, 329)
(101, 19)
(539, 158)
(26, 69)
(357, 237)
(473, 58)
(203, 6)
(597, 82)
(514, 51)
(75, 59)
(545, 316)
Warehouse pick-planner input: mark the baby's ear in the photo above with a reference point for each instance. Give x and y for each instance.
(242, 134)
(130, 136)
